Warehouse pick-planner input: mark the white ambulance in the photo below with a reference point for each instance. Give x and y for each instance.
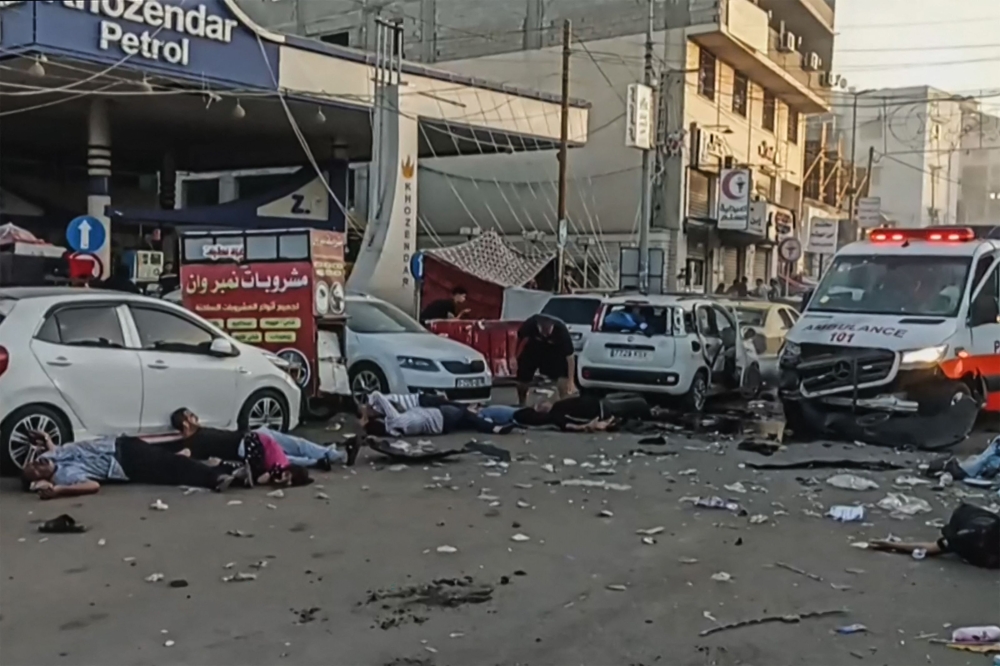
(905, 321)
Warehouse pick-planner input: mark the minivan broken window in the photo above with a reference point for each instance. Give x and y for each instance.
(634, 318)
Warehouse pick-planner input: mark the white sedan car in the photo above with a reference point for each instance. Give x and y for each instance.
(389, 351)
(82, 363)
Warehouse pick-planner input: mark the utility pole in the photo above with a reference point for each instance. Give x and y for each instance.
(563, 159)
(854, 169)
(646, 201)
(868, 173)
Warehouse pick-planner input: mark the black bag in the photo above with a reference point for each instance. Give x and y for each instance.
(973, 533)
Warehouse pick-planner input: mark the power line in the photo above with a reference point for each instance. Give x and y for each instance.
(882, 26)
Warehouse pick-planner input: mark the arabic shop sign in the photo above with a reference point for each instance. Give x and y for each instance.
(189, 37)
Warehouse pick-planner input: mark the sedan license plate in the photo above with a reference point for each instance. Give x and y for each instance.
(637, 354)
(474, 382)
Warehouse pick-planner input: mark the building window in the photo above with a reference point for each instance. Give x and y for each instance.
(342, 38)
(740, 88)
(706, 74)
(767, 117)
(793, 125)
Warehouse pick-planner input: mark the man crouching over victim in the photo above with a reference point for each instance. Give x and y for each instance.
(79, 468)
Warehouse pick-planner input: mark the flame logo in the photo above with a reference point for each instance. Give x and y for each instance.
(408, 168)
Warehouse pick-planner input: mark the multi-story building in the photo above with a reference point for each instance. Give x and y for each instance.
(737, 78)
(917, 134)
(979, 201)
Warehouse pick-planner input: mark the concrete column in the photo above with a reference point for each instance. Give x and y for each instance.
(99, 174)
(168, 182)
(227, 188)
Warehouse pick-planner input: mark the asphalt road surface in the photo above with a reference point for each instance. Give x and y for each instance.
(344, 568)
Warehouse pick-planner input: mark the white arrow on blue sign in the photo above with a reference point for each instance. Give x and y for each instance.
(417, 265)
(86, 234)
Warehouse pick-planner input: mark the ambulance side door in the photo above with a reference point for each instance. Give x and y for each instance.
(984, 317)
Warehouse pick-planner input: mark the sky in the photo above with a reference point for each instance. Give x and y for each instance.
(949, 44)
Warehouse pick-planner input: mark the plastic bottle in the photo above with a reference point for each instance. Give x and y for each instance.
(919, 553)
(976, 635)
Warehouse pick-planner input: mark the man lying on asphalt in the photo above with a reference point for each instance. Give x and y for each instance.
(204, 443)
(576, 414)
(80, 468)
(413, 414)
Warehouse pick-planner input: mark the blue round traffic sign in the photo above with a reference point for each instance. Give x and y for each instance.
(417, 266)
(86, 234)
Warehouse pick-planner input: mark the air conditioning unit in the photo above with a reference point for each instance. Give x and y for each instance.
(812, 62)
(787, 42)
(829, 80)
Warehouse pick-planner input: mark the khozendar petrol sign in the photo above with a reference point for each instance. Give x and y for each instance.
(190, 38)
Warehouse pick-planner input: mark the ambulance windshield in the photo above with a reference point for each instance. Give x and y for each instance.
(922, 286)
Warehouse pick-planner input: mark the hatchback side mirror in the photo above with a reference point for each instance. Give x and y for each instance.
(222, 347)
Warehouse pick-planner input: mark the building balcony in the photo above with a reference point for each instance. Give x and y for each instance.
(738, 32)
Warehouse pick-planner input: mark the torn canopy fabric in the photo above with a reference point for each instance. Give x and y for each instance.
(489, 258)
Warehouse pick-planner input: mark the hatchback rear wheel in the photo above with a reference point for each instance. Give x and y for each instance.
(14, 435)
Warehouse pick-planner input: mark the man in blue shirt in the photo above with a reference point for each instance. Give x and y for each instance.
(79, 468)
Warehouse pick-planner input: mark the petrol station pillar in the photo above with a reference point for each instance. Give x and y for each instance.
(99, 175)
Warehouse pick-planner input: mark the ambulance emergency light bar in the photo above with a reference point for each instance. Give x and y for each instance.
(939, 234)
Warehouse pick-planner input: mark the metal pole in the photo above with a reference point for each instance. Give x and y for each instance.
(854, 170)
(563, 157)
(646, 200)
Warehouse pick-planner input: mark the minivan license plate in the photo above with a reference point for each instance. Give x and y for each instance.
(470, 383)
(629, 353)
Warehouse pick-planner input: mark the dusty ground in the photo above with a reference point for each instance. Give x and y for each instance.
(69, 599)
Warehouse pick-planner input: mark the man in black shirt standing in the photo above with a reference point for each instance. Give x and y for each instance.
(545, 346)
(446, 308)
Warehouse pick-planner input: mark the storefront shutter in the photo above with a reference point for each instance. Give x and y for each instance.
(730, 264)
(699, 194)
(761, 263)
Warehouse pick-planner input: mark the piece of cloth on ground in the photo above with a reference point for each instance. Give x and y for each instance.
(869, 465)
(408, 453)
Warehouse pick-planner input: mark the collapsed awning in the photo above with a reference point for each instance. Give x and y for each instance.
(490, 259)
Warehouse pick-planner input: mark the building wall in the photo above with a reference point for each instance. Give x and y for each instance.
(979, 202)
(916, 133)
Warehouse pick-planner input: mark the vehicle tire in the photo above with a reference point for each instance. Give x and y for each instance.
(754, 381)
(19, 423)
(366, 378)
(940, 396)
(265, 408)
(694, 399)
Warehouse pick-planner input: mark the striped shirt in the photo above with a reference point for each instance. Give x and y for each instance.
(415, 420)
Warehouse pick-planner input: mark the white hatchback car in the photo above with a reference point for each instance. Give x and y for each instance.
(82, 363)
(679, 346)
(389, 351)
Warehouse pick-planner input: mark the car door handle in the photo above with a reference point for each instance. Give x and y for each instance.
(159, 365)
(60, 362)
(242, 370)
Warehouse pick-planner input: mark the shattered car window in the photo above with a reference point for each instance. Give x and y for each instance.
(918, 285)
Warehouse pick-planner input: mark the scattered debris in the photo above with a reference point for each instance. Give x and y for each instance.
(736, 488)
(102, 542)
(259, 564)
(764, 448)
(847, 514)
(159, 505)
(851, 482)
(490, 450)
(712, 503)
(616, 588)
(322, 496)
(239, 577)
(520, 538)
(865, 465)
(758, 519)
(306, 615)
(239, 534)
(852, 629)
(178, 583)
(168, 643)
(234, 502)
(986, 634)
(605, 514)
(154, 578)
(524, 486)
(277, 494)
(911, 481)
(447, 549)
(687, 472)
(904, 505)
(788, 619)
(591, 483)
(722, 577)
(569, 462)
(549, 468)
(398, 606)
(652, 531)
(801, 572)
(521, 504)
(649, 541)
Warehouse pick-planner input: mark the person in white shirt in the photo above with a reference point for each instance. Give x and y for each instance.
(405, 414)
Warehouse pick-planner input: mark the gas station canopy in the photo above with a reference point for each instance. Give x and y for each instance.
(200, 80)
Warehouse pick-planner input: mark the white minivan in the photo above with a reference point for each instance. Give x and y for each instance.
(682, 346)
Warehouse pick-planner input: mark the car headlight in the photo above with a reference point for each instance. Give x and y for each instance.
(916, 358)
(790, 351)
(415, 363)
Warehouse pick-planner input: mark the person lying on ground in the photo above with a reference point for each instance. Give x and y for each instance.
(381, 417)
(79, 468)
(545, 346)
(972, 533)
(204, 443)
(575, 414)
